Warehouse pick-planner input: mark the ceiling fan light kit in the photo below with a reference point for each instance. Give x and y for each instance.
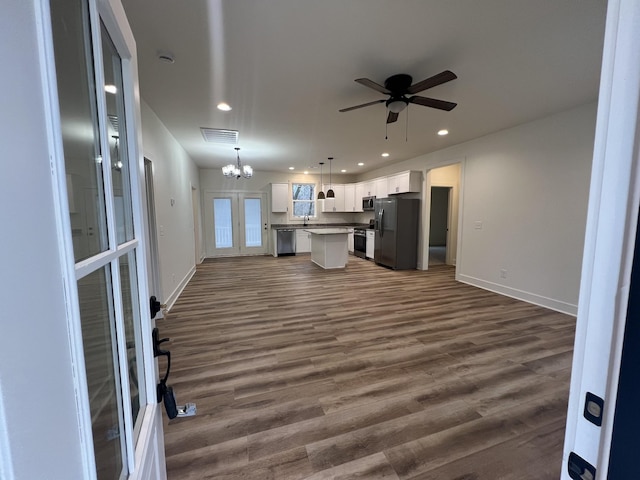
(399, 86)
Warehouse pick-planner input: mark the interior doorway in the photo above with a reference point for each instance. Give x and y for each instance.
(443, 192)
(439, 225)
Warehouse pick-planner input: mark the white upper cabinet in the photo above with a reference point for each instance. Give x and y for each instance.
(334, 204)
(279, 197)
(404, 182)
(358, 194)
(380, 189)
(350, 204)
(368, 188)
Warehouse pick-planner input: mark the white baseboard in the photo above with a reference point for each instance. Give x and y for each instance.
(550, 303)
(178, 290)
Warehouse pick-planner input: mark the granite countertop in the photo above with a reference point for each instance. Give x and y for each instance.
(295, 226)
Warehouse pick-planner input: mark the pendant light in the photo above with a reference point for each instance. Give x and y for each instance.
(321, 193)
(330, 192)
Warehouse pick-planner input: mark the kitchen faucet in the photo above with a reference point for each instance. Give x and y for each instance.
(305, 221)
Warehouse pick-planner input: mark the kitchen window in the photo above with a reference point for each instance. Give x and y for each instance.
(304, 199)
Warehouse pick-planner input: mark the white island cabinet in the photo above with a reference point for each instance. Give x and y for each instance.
(329, 247)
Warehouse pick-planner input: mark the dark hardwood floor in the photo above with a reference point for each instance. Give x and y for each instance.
(367, 373)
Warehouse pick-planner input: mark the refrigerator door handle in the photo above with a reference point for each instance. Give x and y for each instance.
(381, 214)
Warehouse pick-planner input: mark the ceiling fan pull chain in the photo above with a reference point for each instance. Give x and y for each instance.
(406, 128)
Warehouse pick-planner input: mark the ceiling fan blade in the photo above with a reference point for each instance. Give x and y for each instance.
(433, 103)
(439, 79)
(371, 84)
(363, 105)
(392, 117)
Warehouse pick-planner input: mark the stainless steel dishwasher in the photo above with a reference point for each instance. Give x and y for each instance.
(286, 242)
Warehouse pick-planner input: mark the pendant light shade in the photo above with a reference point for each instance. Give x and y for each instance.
(330, 192)
(321, 193)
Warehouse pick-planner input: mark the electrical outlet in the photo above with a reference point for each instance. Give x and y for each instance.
(503, 273)
(477, 225)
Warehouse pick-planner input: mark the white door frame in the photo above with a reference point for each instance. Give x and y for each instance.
(237, 206)
(614, 200)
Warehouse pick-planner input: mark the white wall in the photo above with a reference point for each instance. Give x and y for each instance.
(174, 174)
(39, 435)
(529, 186)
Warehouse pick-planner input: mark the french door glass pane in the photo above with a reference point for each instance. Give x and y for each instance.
(252, 222)
(222, 222)
(100, 355)
(114, 96)
(131, 310)
(79, 118)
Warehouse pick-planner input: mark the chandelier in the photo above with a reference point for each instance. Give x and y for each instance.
(237, 170)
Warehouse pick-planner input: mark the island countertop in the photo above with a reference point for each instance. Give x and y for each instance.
(327, 231)
(313, 226)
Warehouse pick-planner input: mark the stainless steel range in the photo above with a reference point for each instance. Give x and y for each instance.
(360, 242)
(360, 239)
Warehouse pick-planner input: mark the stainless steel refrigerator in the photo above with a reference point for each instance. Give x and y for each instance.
(396, 227)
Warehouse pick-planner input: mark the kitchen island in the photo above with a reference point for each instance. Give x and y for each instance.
(329, 247)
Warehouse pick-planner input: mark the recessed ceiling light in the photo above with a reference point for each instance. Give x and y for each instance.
(291, 168)
(306, 172)
(223, 106)
(385, 154)
(443, 132)
(343, 170)
(110, 89)
(360, 164)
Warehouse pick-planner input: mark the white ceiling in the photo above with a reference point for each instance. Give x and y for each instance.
(287, 66)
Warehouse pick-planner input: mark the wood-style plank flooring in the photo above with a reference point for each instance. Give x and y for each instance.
(367, 373)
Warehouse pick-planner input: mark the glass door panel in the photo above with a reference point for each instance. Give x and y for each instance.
(253, 222)
(100, 353)
(132, 327)
(223, 223)
(80, 133)
(116, 131)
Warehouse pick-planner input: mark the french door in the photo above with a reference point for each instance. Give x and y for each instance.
(95, 125)
(235, 223)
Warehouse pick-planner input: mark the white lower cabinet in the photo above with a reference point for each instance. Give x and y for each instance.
(350, 242)
(303, 241)
(371, 238)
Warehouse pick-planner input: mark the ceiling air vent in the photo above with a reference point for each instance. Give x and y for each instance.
(218, 135)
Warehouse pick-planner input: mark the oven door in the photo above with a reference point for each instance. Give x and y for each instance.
(359, 245)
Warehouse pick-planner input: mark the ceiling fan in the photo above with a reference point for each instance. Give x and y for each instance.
(399, 86)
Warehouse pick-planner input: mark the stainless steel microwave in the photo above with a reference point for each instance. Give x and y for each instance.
(367, 203)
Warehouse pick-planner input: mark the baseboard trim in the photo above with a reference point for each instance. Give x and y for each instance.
(550, 303)
(178, 290)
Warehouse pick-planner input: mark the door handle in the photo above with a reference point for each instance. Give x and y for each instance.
(157, 352)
